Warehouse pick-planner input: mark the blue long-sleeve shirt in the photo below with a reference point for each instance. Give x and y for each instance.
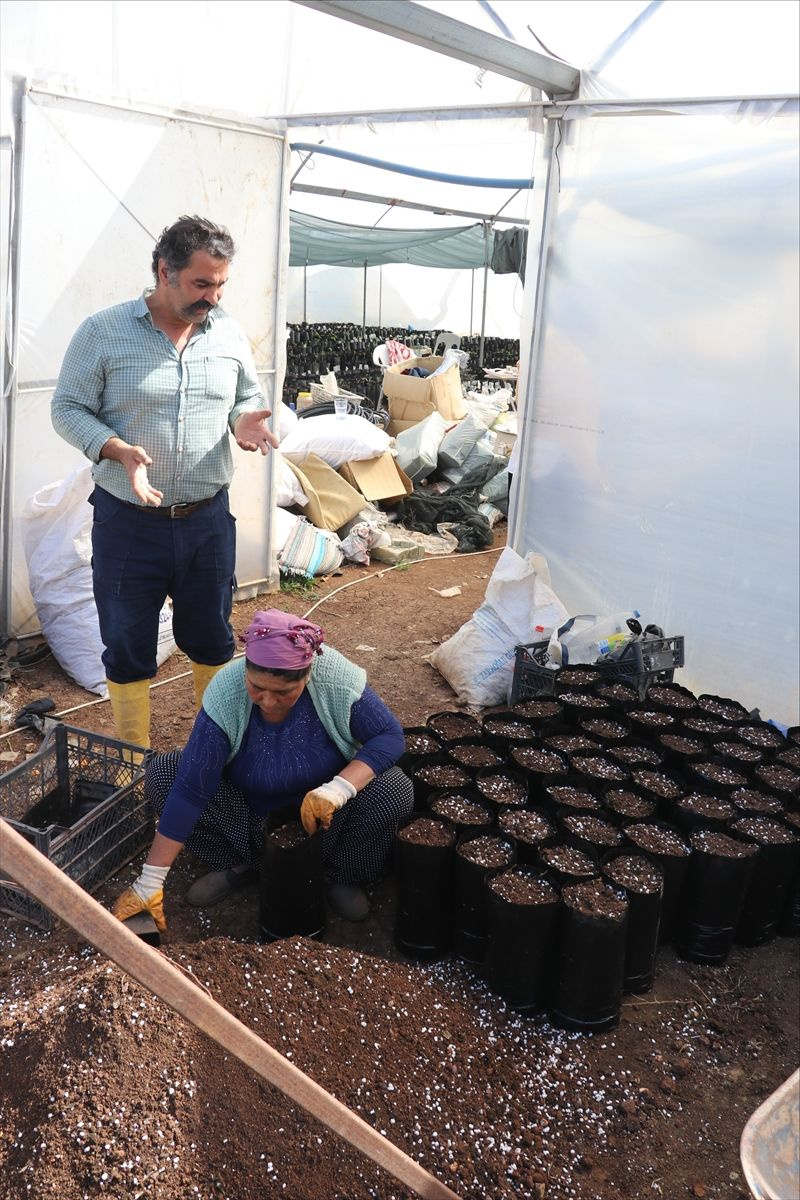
(278, 762)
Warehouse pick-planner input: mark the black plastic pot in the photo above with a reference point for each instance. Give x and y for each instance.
(567, 864)
(599, 770)
(578, 705)
(292, 900)
(589, 832)
(503, 730)
(502, 787)
(771, 880)
(709, 775)
(530, 829)
(706, 726)
(434, 773)
(421, 742)
(610, 728)
(473, 755)
(544, 713)
(642, 881)
(590, 962)
(424, 849)
(754, 802)
(471, 898)
(648, 724)
(723, 708)
(697, 810)
(637, 754)
(540, 766)
(449, 725)
(779, 779)
(789, 757)
(578, 678)
(713, 895)
(659, 785)
(571, 741)
(574, 793)
(524, 911)
(462, 807)
(662, 843)
(680, 749)
(761, 735)
(741, 756)
(671, 698)
(620, 696)
(625, 804)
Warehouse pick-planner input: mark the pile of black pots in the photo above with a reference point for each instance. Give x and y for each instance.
(555, 845)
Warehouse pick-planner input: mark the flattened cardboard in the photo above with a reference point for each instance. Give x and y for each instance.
(378, 478)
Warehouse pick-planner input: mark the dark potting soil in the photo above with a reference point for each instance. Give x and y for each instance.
(617, 693)
(595, 899)
(635, 756)
(454, 725)
(634, 872)
(672, 697)
(764, 736)
(421, 743)
(629, 804)
(789, 757)
(569, 860)
(593, 829)
(502, 789)
(657, 782)
(486, 851)
(652, 719)
(682, 745)
(709, 841)
(707, 806)
(289, 835)
(584, 700)
(460, 810)
(705, 723)
(597, 766)
(752, 800)
(571, 743)
(441, 775)
(761, 829)
(577, 677)
(792, 819)
(545, 762)
(423, 831)
(603, 727)
(520, 887)
(741, 751)
(568, 796)
(719, 706)
(537, 710)
(527, 826)
(518, 730)
(656, 839)
(718, 773)
(475, 756)
(779, 778)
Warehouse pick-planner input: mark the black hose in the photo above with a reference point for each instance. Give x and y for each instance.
(325, 407)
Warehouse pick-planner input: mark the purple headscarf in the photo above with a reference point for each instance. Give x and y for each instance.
(279, 641)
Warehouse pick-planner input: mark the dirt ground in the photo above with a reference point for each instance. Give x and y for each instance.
(104, 1093)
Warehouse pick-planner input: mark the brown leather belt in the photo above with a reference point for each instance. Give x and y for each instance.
(173, 511)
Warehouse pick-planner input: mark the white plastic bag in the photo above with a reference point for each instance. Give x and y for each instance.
(418, 447)
(335, 441)
(57, 536)
(478, 660)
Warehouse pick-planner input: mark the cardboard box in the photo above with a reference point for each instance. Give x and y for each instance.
(411, 399)
(378, 478)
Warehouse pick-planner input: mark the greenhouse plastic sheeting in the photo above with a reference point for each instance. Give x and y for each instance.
(317, 242)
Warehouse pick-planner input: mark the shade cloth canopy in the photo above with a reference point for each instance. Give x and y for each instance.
(315, 242)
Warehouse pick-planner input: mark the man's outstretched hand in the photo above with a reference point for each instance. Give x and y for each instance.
(252, 433)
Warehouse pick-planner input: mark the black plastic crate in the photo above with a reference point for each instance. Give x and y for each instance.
(80, 801)
(644, 663)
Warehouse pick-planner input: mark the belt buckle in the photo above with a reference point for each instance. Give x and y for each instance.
(173, 510)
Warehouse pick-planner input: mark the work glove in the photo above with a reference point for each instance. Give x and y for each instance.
(146, 894)
(320, 804)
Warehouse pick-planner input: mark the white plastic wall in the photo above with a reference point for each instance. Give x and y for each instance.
(661, 464)
(100, 183)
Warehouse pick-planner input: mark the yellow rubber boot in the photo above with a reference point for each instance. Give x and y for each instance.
(202, 676)
(130, 703)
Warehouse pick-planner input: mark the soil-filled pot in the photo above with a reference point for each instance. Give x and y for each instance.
(578, 705)
(671, 698)
(565, 864)
(608, 728)
(622, 697)
(658, 785)
(524, 912)
(540, 766)
(476, 859)
(462, 807)
(433, 774)
(450, 726)
(696, 810)
(727, 710)
(472, 755)
(571, 742)
(680, 749)
(760, 734)
(624, 804)
(716, 884)
(642, 881)
(753, 802)
(650, 724)
(636, 754)
(771, 881)
(589, 832)
(503, 730)
(424, 852)
(575, 794)
(709, 775)
(544, 713)
(741, 756)
(577, 678)
(502, 787)
(599, 769)
(530, 829)
(706, 726)
(292, 883)
(420, 743)
(590, 961)
(789, 757)
(779, 779)
(665, 846)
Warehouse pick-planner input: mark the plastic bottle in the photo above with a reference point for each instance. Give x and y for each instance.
(603, 637)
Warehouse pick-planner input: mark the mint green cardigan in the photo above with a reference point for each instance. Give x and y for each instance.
(334, 686)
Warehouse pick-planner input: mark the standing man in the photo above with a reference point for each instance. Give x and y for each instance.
(149, 391)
